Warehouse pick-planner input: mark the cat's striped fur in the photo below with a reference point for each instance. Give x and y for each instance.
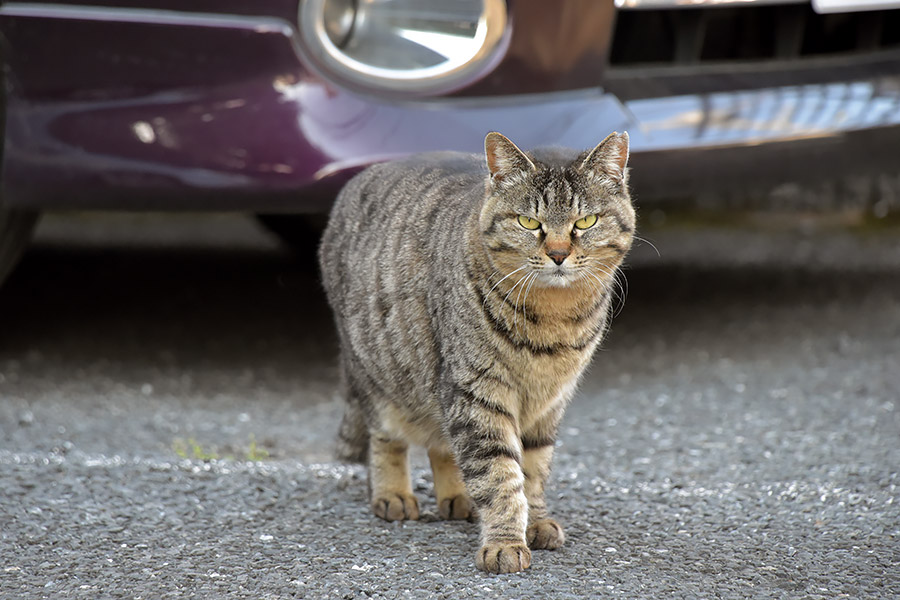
(466, 332)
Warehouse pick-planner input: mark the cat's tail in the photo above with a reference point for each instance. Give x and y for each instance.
(353, 436)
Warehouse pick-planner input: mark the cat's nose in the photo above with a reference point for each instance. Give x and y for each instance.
(558, 255)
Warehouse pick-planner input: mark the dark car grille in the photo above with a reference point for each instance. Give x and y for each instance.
(695, 51)
(747, 33)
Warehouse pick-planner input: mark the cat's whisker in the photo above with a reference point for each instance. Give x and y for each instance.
(528, 279)
(487, 282)
(602, 267)
(521, 281)
(621, 284)
(605, 268)
(620, 290)
(624, 286)
(621, 297)
(501, 281)
(603, 287)
(513, 288)
(610, 273)
(516, 303)
(649, 243)
(598, 279)
(585, 273)
(582, 276)
(525, 301)
(608, 280)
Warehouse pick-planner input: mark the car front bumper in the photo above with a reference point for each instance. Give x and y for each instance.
(191, 129)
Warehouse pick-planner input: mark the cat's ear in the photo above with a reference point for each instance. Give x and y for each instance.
(610, 158)
(504, 159)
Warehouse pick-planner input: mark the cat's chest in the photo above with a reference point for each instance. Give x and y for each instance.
(544, 372)
(545, 383)
(549, 376)
(558, 330)
(550, 358)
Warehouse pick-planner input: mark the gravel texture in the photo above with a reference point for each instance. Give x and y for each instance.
(167, 408)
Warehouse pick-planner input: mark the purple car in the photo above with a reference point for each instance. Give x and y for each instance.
(268, 106)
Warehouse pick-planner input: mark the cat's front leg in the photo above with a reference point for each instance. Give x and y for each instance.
(489, 452)
(543, 532)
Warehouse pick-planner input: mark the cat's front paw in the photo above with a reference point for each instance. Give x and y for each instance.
(545, 534)
(457, 507)
(503, 558)
(396, 506)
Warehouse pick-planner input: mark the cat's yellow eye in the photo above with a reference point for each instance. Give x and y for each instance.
(586, 222)
(528, 222)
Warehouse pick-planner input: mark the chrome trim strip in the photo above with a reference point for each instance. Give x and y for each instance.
(671, 4)
(765, 115)
(145, 15)
(841, 6)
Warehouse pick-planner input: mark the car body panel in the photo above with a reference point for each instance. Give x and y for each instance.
(228, 114)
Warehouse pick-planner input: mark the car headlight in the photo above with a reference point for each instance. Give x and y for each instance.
(421, 46)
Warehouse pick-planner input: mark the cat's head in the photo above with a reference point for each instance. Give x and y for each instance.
(566, 221)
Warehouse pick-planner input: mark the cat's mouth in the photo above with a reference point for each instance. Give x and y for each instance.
(557, 276)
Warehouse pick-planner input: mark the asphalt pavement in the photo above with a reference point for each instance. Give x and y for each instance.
(168, 406)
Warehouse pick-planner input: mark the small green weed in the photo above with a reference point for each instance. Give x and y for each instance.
(191, 449)
(254, 452)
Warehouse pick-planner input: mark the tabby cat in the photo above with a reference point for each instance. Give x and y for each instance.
(468, 303)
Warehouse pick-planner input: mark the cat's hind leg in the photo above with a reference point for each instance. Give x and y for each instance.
(353, 435)
(392, 497)
(449, 490)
